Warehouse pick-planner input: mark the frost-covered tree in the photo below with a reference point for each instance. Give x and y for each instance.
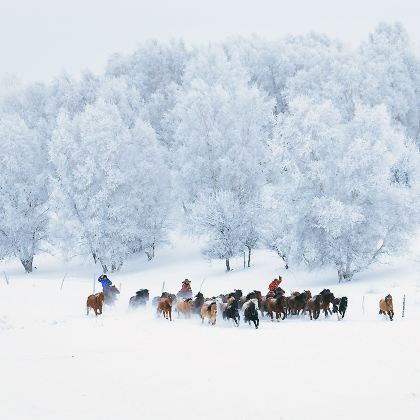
(111, 185)
(71, 95)
(348, 192)
(271, 65)
(221, 134)
(154, 70)
(219, 217)
(391, 76)
(23, 190)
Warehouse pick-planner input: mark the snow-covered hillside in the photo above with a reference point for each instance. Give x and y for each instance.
(56, 362)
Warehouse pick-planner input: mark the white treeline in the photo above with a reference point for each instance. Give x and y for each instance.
(302, 145)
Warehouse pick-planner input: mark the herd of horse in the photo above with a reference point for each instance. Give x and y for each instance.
(231, 306)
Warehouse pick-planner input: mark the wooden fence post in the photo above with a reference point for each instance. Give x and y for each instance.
(403, 310)
(62, 281)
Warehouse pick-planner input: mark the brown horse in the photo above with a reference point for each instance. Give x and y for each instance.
(165, 307)
(313, 306)
(209, 310)
(184, 306)
(95, 302)
(277, 305)
(386, 307)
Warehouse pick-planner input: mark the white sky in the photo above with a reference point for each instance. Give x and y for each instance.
(41, 38)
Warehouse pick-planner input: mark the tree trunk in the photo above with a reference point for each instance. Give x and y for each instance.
(249, 256)
(344, 275)
(244, 260)
(227, 264)
(116, 266)
(27, 264)
(150, 253)
(284, 258)
(104, 268)
(95, 259)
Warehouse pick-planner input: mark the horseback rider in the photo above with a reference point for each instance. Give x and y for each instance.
(186, 290)
(275, 284)
(186, 286)
(106, 282)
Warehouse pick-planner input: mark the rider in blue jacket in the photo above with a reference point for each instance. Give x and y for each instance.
(105, 281)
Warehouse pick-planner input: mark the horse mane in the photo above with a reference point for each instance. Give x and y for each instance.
(210, 305)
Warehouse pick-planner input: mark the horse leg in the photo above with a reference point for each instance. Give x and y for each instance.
(170, 314)
(87, 310)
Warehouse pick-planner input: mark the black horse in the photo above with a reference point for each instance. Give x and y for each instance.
(231, 311)
(327, 299)
(140, 299)
(251, 313)
(198, 303)
(340, 306)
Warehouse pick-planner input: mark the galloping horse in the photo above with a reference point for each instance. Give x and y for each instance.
(386, 307)
(95, 302)
(111, 295)
(140, 299)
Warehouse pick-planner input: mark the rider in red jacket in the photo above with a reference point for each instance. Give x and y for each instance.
(274, 284)
(186, 286)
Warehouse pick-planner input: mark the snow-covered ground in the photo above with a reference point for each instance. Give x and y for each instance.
(57, 363)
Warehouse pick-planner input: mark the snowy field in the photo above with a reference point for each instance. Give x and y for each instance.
(57, 363)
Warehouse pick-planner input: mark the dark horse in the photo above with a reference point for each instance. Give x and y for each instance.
(111, 295)
(327, 299)
(231, 311)
(340, 306)
(140, 299)
(197, 303)
(251, 312)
